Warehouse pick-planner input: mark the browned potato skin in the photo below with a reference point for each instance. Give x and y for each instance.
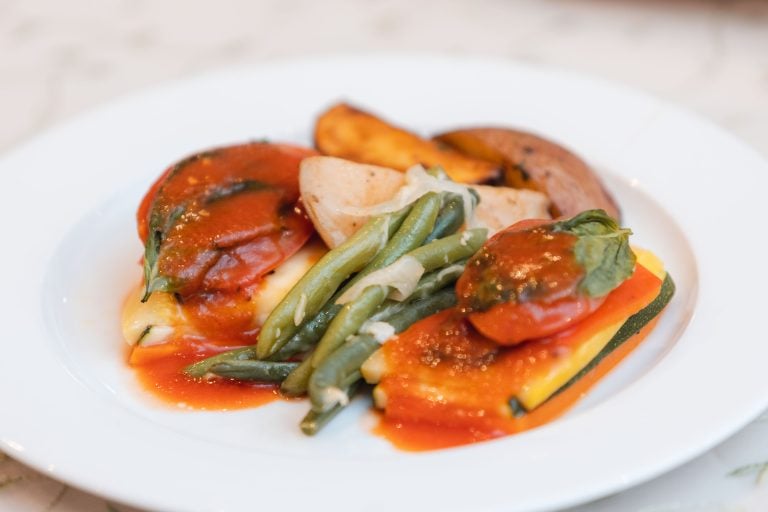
(533, 162)
(346, 132)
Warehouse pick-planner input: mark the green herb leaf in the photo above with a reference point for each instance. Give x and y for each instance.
(602, 249)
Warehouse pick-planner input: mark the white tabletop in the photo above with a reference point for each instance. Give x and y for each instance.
(58, 59)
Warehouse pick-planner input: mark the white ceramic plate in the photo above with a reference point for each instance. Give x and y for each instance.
(70, 406)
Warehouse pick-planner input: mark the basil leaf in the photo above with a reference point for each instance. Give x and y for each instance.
(602, 249)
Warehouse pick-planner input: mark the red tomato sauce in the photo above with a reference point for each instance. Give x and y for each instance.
(226, 218)
(523, 284)
(160, 371)
(452, 385)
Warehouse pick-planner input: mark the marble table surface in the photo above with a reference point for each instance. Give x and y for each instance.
(58, 59)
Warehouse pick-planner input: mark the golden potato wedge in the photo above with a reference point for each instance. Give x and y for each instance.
(530, 161)
(346, 132)
(328, 204)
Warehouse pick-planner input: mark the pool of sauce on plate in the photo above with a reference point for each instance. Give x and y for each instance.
(223, 321)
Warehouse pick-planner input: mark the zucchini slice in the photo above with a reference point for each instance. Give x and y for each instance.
(540, 388)
(628, 329)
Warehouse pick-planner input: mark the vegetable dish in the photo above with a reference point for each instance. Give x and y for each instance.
(477, 283)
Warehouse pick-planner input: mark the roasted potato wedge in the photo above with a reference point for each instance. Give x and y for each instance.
(536, 163)
(328, 204)
(346, 132)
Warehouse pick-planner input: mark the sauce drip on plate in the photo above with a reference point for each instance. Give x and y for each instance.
(160, 371)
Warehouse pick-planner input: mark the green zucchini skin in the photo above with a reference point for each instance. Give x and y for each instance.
(632, 326)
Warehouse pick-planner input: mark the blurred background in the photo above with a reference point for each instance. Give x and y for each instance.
(58, 59)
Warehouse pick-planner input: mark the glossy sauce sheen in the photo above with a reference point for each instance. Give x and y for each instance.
(229, 215)
(521, 265)
(159, 370)
(224, 321)
(452, 385)
(241, 218)
(523, 284)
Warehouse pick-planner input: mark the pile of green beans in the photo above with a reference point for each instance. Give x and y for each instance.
(328, 338)
(342, 369)
(442, 252)
(449, 220)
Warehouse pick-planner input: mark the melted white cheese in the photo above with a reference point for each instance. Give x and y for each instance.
(162, 318)
(332, 396)
(418, 183)
(381, 331)
(402, 276)
(276, 285)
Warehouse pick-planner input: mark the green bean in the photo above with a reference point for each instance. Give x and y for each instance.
(349, 320)
(295, 345)
(450, 248)
(411, 234)
(451, 216)
(314, 421)
(290, 349)
(202, 367)
(438, 279)
(264, 371)
(310, 331)
(425, 307)
(415, 228)
(342, 367)
(295, 384)
(345, 324)
(321, 282)
(431, 283)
